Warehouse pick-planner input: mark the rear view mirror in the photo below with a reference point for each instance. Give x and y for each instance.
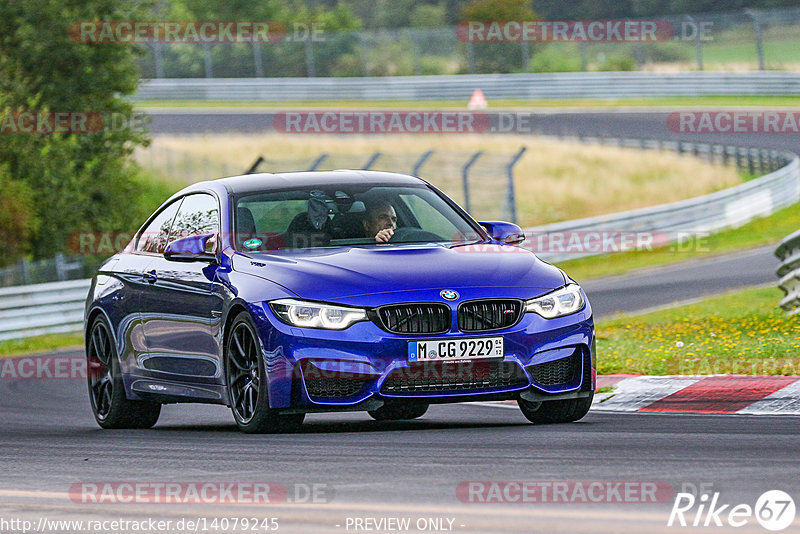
(508, 233)
(193, 248)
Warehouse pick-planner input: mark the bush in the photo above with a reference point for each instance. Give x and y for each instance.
(668, 52)
(552, 59)
(617, 63)
(18, 219)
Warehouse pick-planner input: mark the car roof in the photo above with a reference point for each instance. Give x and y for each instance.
(250, 183)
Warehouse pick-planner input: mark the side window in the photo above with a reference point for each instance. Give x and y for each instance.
(199, 214)
(154, 237)
(430, 219)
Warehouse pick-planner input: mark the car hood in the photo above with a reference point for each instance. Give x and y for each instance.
(340, 273)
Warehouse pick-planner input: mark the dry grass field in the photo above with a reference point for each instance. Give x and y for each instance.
(554, 180)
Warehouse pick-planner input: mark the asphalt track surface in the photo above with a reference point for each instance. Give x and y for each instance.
(682, 282)
(368, 469)
(615, 123)
(372, 470)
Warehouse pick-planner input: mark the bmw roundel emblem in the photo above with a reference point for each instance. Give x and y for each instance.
(449, 294)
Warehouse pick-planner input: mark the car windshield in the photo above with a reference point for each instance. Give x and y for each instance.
(330, 216)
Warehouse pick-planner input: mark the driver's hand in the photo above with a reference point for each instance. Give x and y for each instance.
(384, 235)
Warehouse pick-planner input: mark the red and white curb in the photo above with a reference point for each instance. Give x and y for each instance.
(720, 394)
(725, 394)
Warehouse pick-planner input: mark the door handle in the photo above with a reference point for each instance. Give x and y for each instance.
(150, 276)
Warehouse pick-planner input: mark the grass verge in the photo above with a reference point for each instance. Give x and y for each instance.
(722, 100)
(32, 345)
(763, 231)
(739, 333)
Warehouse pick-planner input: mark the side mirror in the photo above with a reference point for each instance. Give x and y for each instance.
(193, 248)
(507, 232)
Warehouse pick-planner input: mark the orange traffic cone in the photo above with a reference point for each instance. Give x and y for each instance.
(477, 101)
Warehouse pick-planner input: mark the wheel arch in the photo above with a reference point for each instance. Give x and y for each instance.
(91, 315)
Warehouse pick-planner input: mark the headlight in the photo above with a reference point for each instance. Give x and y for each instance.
(315, 315)
(560, 302)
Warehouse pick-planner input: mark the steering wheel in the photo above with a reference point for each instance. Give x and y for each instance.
(410, 234)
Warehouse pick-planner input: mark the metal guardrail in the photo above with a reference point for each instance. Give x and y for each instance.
(459, 87)
(789, 272)
(59, 268)
(51, 308)
(728, 208)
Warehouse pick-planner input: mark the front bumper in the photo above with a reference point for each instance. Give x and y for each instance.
(363, 365)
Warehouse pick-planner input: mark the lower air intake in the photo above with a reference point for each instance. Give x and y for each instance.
(454, 377)
(563, 371)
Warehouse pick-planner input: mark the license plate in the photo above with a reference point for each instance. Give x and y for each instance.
(476, 348)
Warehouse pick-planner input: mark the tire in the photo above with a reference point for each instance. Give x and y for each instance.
(396, 412)
(246, 380)
(553, 412)
(110, 405)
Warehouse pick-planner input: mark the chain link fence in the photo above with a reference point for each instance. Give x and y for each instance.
(736, 40)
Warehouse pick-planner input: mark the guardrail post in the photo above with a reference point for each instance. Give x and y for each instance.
(257, 63)
(310, 70)
(207, 60)
(25, 271)
(470, 58)
(511, 200)
(317, 162)
(418, 165)
(158, 60)
(698, 46)
(60, 264)
(526, 55)
(371, 161)
(759, 36)
(465, 177)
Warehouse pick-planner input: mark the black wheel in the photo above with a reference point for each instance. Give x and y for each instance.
(395, 412)
(560, 411)
(247, 382)
(110, 406)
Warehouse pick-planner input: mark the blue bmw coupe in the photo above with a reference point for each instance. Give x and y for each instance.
(285, 294)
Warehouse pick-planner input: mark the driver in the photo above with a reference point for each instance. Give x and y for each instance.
(380, 221)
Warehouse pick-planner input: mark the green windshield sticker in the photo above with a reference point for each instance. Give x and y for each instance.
(252, 243)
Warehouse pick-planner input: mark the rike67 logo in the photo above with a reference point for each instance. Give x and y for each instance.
(774, 510)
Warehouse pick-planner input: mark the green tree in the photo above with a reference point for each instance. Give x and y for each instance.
(76, 181)
(17, 219)
(499, 57)
(426, 15)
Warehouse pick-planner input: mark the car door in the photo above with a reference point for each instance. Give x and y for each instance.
(182, 308)
(131, 268)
